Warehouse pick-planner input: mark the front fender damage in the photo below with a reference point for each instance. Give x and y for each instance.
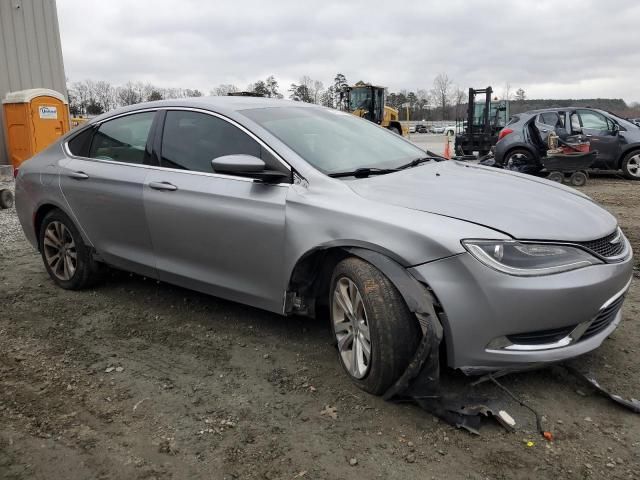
(420, 383)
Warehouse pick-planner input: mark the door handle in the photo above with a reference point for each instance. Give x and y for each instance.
(163, 186)
(588, 135)
(78, 175)
(544, 130)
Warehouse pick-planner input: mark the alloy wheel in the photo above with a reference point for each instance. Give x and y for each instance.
(351, 328)
(633, 165)
(60, 250)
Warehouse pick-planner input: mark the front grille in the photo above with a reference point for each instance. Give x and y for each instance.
(604, 247)
(541, 336)
(604, 318)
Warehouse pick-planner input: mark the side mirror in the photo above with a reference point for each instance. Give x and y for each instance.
(246, 166)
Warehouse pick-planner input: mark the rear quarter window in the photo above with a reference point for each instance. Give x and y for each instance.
(79, 144)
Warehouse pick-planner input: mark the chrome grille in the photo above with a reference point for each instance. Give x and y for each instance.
(604, 318)
(604, 247)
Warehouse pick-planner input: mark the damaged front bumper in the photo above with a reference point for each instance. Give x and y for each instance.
(496, 321)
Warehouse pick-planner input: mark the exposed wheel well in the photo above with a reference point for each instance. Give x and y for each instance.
(519, 147)
(39, 217)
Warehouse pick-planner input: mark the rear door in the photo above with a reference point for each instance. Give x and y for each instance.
(102, 183)
(604, 138)
(546, 123)
(220, 234)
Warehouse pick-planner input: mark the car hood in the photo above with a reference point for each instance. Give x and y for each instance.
(519, 205)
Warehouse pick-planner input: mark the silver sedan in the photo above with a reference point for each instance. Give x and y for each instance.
(299, 209)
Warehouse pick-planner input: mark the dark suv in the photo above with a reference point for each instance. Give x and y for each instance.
(617, 140)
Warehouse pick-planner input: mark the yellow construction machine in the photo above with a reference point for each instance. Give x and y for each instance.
(368, 101)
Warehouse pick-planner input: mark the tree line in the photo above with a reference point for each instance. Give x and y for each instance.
(444, 100)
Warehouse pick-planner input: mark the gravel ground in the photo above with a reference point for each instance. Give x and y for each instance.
(139, 379)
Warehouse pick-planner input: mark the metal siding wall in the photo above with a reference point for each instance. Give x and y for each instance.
(30, 50)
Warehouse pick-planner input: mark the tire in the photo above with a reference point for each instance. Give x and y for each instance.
(57, 233)
(394, 333)
(578, 179)
(556, 177)
(518, 153)
(395, 130)
(631, 165)
(6, 198)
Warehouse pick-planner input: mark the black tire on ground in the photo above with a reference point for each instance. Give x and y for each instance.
(393, 329)
(395, 129)
(578, 179)
(87, 271)
(556, 177)
(6, 198)
(631, 165)
(521, 153)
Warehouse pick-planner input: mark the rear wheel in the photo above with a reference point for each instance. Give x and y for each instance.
(66, 257)
(519, 156)
(631, 165)
(6, 198)
(375, 332)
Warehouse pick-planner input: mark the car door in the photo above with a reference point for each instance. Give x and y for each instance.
(220, 234)
(603, 136)
(546, 123)
(103, 183)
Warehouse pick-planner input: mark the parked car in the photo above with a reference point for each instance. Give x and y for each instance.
(616, 140)
(450, 130)
(291, 207)
(635, 121)
(422, 128)
(412, 129)
(438, 129)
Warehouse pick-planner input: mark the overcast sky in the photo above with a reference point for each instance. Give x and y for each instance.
(552, 49)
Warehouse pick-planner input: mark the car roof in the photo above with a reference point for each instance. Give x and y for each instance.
(220, 104)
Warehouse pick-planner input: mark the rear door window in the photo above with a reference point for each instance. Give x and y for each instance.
(123, 139)
(191, 140)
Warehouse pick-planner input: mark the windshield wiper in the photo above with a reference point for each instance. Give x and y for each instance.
(363, 172)
(417, 161)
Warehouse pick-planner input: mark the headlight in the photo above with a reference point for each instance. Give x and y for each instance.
(528, 259)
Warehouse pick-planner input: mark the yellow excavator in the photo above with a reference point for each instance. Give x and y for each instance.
(368, 101)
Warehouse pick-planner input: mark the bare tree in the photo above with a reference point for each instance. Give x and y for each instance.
(442, 91)
(458, 100)
(105, 95)
(316, 90)
(224, 89)
(506, 91)
(520, 95)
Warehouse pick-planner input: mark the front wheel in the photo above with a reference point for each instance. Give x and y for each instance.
(376, 334)
(66, 257)
(631, 166)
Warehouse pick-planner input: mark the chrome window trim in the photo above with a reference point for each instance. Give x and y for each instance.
(67, 151)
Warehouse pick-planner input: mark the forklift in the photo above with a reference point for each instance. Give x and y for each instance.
(479, 132)
(368, 101)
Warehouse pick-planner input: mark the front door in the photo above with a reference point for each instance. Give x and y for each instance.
(219, 234)
(104, 191)
(604, 138)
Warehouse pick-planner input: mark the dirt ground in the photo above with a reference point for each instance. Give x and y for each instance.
(142, 380)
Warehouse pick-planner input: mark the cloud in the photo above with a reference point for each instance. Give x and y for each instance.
(551, 49)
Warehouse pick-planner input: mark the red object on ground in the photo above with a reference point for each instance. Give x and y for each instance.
(447, 149)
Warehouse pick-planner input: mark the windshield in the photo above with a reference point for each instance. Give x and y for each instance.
(359, 98)
(622, 121)
(334, 141)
